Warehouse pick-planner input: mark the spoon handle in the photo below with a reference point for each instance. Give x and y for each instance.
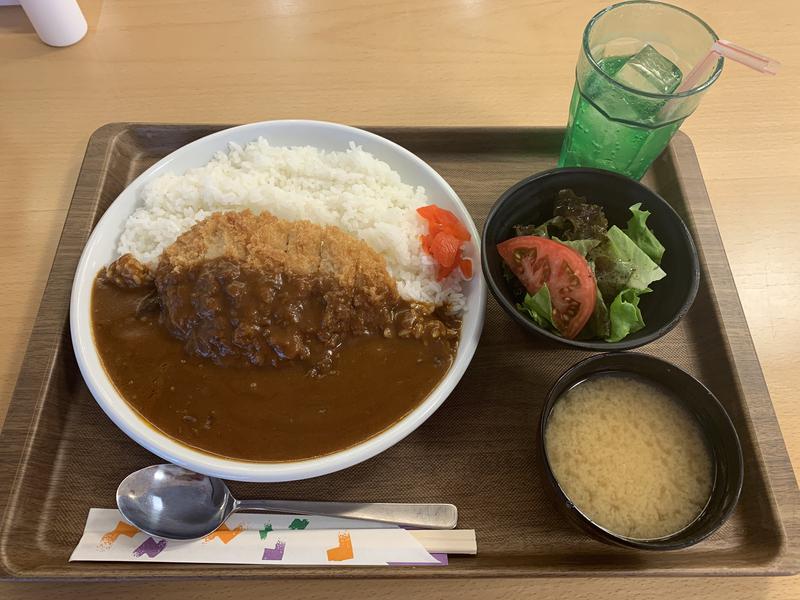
(424, 516)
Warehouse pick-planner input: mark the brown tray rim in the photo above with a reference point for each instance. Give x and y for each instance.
(776, 466)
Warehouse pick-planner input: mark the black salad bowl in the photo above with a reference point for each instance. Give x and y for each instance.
(531, 202)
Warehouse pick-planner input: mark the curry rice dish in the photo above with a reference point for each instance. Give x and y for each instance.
(263, 339)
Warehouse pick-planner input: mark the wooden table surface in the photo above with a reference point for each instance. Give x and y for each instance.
(392, 62)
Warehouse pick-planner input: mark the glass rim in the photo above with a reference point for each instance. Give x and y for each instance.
(690, 92)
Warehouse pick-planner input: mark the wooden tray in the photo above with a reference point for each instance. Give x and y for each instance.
(60, 455)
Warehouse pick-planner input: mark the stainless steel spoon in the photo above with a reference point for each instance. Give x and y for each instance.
(171, 502)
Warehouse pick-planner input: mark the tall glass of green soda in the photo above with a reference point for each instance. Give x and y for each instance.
(628, 100)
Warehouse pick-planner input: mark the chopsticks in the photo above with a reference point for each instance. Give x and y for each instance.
(447, 541)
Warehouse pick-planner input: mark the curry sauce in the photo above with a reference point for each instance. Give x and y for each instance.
(276, 412)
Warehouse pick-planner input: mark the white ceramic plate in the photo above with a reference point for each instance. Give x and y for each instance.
(100, 250)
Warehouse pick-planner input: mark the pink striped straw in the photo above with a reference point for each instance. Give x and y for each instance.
(729, 50)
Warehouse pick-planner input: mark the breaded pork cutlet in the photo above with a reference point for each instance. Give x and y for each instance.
(296, 248)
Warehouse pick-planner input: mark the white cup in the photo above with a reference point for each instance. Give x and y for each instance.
(57, 22)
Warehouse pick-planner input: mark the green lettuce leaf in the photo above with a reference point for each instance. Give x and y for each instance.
(641, 234)
(599, 324)
(612, 274)
(539, 307)
(622, 248)
(582, 247)
(624, 314)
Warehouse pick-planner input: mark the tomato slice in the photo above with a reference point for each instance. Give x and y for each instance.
(536, 260)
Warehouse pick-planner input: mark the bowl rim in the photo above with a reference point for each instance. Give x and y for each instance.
(147, 436)
(593, 345)
(667, 542)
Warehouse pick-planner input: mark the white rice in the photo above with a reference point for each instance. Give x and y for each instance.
(352, 190)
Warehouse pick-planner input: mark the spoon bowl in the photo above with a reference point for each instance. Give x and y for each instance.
(172, 502)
